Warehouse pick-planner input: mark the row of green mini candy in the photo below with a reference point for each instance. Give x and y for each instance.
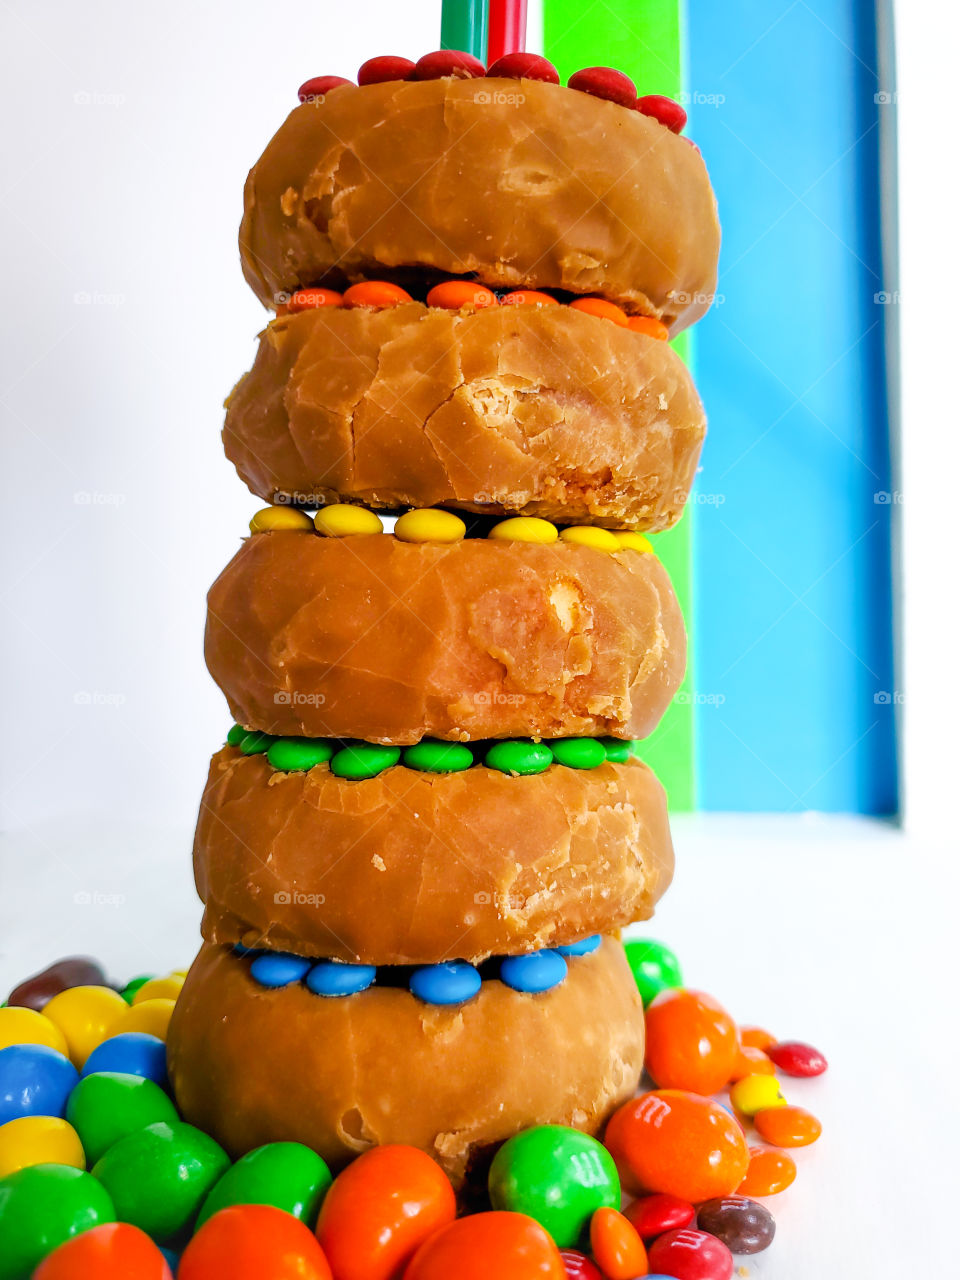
(367, 759)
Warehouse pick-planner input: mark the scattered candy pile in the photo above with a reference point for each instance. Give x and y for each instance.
(100, 1177)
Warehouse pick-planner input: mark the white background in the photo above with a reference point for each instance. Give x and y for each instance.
(128, 129)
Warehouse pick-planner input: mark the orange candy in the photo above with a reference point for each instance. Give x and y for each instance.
(528, 298)
(679, 1143)
(649, 325)
(691, 1041)
(250, 1242)
(751, 1062)
(112, 1251)
(616, 1246)
(770, 1171)
(313, 299)
(756, 1038)
(787, 1126)
(379, 1211)
(453, 295)
(509, 1246)
(602, 308)
(375, 293)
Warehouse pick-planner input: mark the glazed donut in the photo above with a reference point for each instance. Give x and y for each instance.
(251, 1065)
(321, 866)
(520, 183)
(539, 410)
(373, 638)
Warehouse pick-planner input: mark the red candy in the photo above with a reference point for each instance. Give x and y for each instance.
(524, 66)
(387, 67)
(692, 1042)
(250, 1242)
(578, 1266)
(448, 62)
(691, 1255)
(656, 1214)
(796, 1059)
(604, 82)
(665, 110)
(319, 86)
(112, 1251)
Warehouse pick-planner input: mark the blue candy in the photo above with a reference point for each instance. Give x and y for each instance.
(34, 1081)
(279, 968)
(173, 1260)
(331, 978)
(538, 971)
(582, 948)
(134, 1053)
(448, 983)
(240, 950)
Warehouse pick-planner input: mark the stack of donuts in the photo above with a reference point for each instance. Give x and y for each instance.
(447, 634)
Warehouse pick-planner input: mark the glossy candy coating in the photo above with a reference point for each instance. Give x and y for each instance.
(794, 1058)
(135, 1053)
(578, 753)
(519, 757)
(556, 1175)
(457, 295)
(152, 1017)
(451, 982)
(743, 1225)
(666, 110)
(430, 756)
(363, 760)
(525, 529)
(787, 1126)
(235, 736)
(756, 1038)
(617, 750)
(386, 67)
(488, 1246)
(604, 82)
(42, 1206)
(319, 86)
(649, 325)
(253, 1242)
(313, 300)
(528, 298)
(691, 1041)
(255, 743)
(381, 1209)
(332, 978)
(691, 1255)
(268, 519)
(112, 1251)
(429, 524)
(166, 988)
(279, 968)
(159, 1176)
(588, 535)
(616, 1245)
(72, 971)
(583, 947)
(578, 1266)
(770, 1171)
(35, 1080)
(85, 1015)
(448, 62)
(629, 540)
(39, 1140)
(756, 1093)
(679, 1143)
(27, 1026)
(287, 1175)
(535, 972)
(375, 293)
(105, 1107)
(750, 1062)
(523, 66)
(602, 309)
(294, 754)
(343, 520)
(654, 1215)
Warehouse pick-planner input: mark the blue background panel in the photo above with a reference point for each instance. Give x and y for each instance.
(793, 601)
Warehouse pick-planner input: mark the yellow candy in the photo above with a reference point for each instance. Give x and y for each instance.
(587, 535)
(525, 529)
(279, 518)
(159, 989)
(32, 1140)
(86, 1016)
(634, 541)
(341, 520)
(756, 1093)
(178, 973)
(429, 525)
(26, 1026)
(150, 1016)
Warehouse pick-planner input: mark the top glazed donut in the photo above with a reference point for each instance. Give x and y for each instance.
(520, 183)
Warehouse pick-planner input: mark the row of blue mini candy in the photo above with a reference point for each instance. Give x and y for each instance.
(451, 982)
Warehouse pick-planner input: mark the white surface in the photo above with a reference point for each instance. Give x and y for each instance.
(836, 931)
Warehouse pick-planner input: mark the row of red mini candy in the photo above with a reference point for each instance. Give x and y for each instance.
(600, 82)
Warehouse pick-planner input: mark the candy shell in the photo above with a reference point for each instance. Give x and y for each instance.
(319, 87)
(603, 310)
(333, 978)
(654, 1215)
(448, 62)
(27, 1026)
(794, 1058)
(524, 529)
(384, 68)
(578, 1266)
(691, 1041)
(39, 1140)
(556, 1175)
(528, 298)
(629, 540)
(152, 1017)
(86, 1016)
(269, 519)
(519, 757)
(447, 983)
(292, 755)
(112, 1251)
(578, 753)
(279, 969)
(585, 947)
(253, 1242)
(40, 1207)
(72, 971)
(134, 1053)
(667, 111)
(488, 1246)
(743, 1225)
(429, 524)
(313, 300)
(604, 82)
(363, 760)
(787, 1126)
(108, 1105)
(459, 295)
(287, 1175)
(756, 1038)
(523, 66)
(375, 293)
(587, 535)
(756, 1093)
(343, 520)
(35, 1080)
(649, 325)
(167, 988)
(438, 757)
(616, 1246)
(255, 744)
(535, 972)
(750, 1062)
(770, 1171)
(691, 1255)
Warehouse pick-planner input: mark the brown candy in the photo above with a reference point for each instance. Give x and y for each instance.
(744, 1226)
(71, 971)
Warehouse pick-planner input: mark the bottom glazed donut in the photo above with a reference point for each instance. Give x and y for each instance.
(251, 1065)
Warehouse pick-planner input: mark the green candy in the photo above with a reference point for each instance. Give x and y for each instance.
(655, 967)
(106, 1106)
(578, 753)
(287, 1175)
(158, 1177)
(616, 750)
(294, 754)
(134, 985)
(41, 1207)
(363, 760)
(517, 756)
(438, 757)
(255, 744)
(236, 735)
(558, 1176)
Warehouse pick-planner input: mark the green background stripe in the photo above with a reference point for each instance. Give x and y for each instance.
(463, 25)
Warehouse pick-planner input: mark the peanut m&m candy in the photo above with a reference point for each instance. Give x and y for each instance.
(655, 968)
(287, 1175)
(253, 1242)
(27, 1026)
(39, 1140)
(35, 1080)
(692, 1042)
(484, 1246)
(106, 1106)
(42, 1206)
(112, 1251)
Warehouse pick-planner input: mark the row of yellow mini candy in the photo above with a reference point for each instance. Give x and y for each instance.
(429, 524)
